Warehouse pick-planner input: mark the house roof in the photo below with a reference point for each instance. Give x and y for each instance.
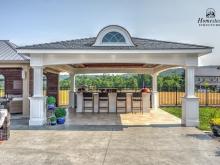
(139, 44)
(9, 53)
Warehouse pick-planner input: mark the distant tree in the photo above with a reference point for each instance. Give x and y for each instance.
(65, 84)
(165, 83)
(160, 83)
(176, 80)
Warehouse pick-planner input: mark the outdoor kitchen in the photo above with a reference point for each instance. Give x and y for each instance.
(111, 101)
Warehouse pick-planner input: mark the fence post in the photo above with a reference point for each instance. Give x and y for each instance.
(206, 97)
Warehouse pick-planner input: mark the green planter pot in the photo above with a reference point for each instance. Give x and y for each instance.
(53, 122)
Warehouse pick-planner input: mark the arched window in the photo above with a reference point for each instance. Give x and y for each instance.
(2, 85)
(113, 37)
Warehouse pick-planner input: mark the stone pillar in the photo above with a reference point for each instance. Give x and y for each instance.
(37, 101)
(25, 92)
(79, 102)
(72, 82)
(146, 102)
(155, 97)
(190, 103)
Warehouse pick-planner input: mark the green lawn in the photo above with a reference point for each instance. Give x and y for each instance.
(205, 114)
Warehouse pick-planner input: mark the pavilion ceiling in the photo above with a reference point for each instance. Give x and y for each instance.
(107, 67)
(114, 65)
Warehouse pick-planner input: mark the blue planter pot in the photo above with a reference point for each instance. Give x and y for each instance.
(60, 120)
(51, 106)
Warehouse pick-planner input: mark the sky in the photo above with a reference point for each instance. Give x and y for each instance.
(25, 22)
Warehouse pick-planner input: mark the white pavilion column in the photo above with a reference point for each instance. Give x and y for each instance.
(25, 88)
(190, 103)
(37, 101)
(72, 90)
(155, 97)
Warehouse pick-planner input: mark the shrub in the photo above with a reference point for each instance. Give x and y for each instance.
(215, 121)
(53, 118)
(51, 100)
(60, 112)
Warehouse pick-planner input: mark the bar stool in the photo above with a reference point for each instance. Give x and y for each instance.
(136, 97)
(88, 97)
(103, 98)
(121, 97)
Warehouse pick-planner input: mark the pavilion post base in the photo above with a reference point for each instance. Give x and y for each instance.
(37, 111)
(36, 122)
(190, 111)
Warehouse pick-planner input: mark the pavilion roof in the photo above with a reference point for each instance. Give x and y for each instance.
(9, 53)
(139, 44)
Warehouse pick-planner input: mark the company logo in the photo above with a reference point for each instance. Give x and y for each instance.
(210, 13)
(210, 19)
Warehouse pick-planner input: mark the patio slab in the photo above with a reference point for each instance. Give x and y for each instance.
(154, 117)
(154, 143)
(104, 120)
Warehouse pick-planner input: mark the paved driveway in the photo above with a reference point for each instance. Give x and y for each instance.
(152, 143)
(111, 145)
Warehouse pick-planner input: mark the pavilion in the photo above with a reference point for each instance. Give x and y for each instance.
(114, 51)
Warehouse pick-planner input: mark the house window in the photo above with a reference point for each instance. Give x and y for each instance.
(113, 37)
(2, 85)
(17, 84)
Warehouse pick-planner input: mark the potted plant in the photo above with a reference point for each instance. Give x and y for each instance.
(60, 114)
(215, 126)
(51, 102)
(53, 120)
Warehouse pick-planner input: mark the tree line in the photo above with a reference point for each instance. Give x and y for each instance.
(171, 82)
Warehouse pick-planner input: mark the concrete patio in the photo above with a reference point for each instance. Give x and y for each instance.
(134, 142)
(75, 120)
(154, 117)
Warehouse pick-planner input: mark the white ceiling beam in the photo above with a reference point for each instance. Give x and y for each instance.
(62, 68)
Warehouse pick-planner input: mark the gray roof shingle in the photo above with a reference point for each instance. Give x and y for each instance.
(140, 44)
(8, 52)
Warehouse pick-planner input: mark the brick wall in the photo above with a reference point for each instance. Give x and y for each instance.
(52, 84)
(31, 83)
(13, 76)
(13, 80)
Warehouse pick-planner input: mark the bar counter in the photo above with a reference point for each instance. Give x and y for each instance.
(112, 101)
